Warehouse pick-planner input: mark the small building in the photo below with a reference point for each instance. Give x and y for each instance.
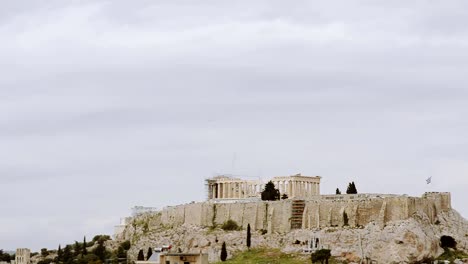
(183, 258)
(23, 256)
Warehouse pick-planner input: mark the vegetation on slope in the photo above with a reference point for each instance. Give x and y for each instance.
(268, 256)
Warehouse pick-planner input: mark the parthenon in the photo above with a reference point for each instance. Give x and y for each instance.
(295, 186)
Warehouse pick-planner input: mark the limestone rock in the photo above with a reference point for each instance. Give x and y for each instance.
(403, 241)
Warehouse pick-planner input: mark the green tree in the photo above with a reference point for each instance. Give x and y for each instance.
(351, 188)
(150, 252)
(44, 252)
(338, 191)
(322, 256)
(100, 250)
(45, 261)
(248, 236)
(67, 254)
(126, 245)
(5, 256)
(270, 193)
(121, 253)
(284, 196)
(101, 237)
(141, 255)
(223, 255)
(59, 254)
(76, 249)
(89, 258)
(84, 250)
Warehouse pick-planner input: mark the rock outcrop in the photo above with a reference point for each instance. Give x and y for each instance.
(402, 241)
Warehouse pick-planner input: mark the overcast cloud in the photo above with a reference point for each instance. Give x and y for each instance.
(109, 104)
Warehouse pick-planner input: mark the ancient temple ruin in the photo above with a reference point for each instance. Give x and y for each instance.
(296, 186)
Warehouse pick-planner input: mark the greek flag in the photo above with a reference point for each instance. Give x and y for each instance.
(428, 180)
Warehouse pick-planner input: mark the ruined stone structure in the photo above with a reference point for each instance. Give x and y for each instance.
(283, 216)
(296, 186)
(387, 228)
(23, 256)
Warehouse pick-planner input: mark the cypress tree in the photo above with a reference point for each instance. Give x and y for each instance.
(351, 188)
(84, 251)
(150, 252)
(338, 191)
(141, 255)
(248, 236)
(354, 188)
(223, 256)
(59, 254)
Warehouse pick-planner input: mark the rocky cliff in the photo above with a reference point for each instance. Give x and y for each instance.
(401, 241)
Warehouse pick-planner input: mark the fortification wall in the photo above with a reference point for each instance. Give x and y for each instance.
(319, 211)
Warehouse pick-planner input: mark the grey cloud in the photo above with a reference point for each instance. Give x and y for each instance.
(105, 104)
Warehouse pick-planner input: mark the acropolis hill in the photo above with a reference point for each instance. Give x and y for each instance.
(305, 214)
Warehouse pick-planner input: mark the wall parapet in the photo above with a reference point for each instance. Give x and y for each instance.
(319, 212)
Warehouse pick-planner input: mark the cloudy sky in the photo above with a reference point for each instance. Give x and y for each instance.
(109, 104)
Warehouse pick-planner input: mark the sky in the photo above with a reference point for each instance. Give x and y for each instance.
(105, 105)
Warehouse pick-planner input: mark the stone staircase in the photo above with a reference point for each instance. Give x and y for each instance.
(297, 213)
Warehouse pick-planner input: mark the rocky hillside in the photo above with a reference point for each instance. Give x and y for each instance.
(405, 241)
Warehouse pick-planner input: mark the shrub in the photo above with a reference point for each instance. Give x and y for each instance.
(230, 225)
(126, 245)
(321, 256)
(101, 237)
(448, 242)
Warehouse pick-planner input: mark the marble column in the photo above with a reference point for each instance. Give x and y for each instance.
(294, 188)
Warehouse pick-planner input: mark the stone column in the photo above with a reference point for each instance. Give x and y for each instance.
(299, 188)
(223, 193)
(294, 190)
(218, 189)
(241, 190)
